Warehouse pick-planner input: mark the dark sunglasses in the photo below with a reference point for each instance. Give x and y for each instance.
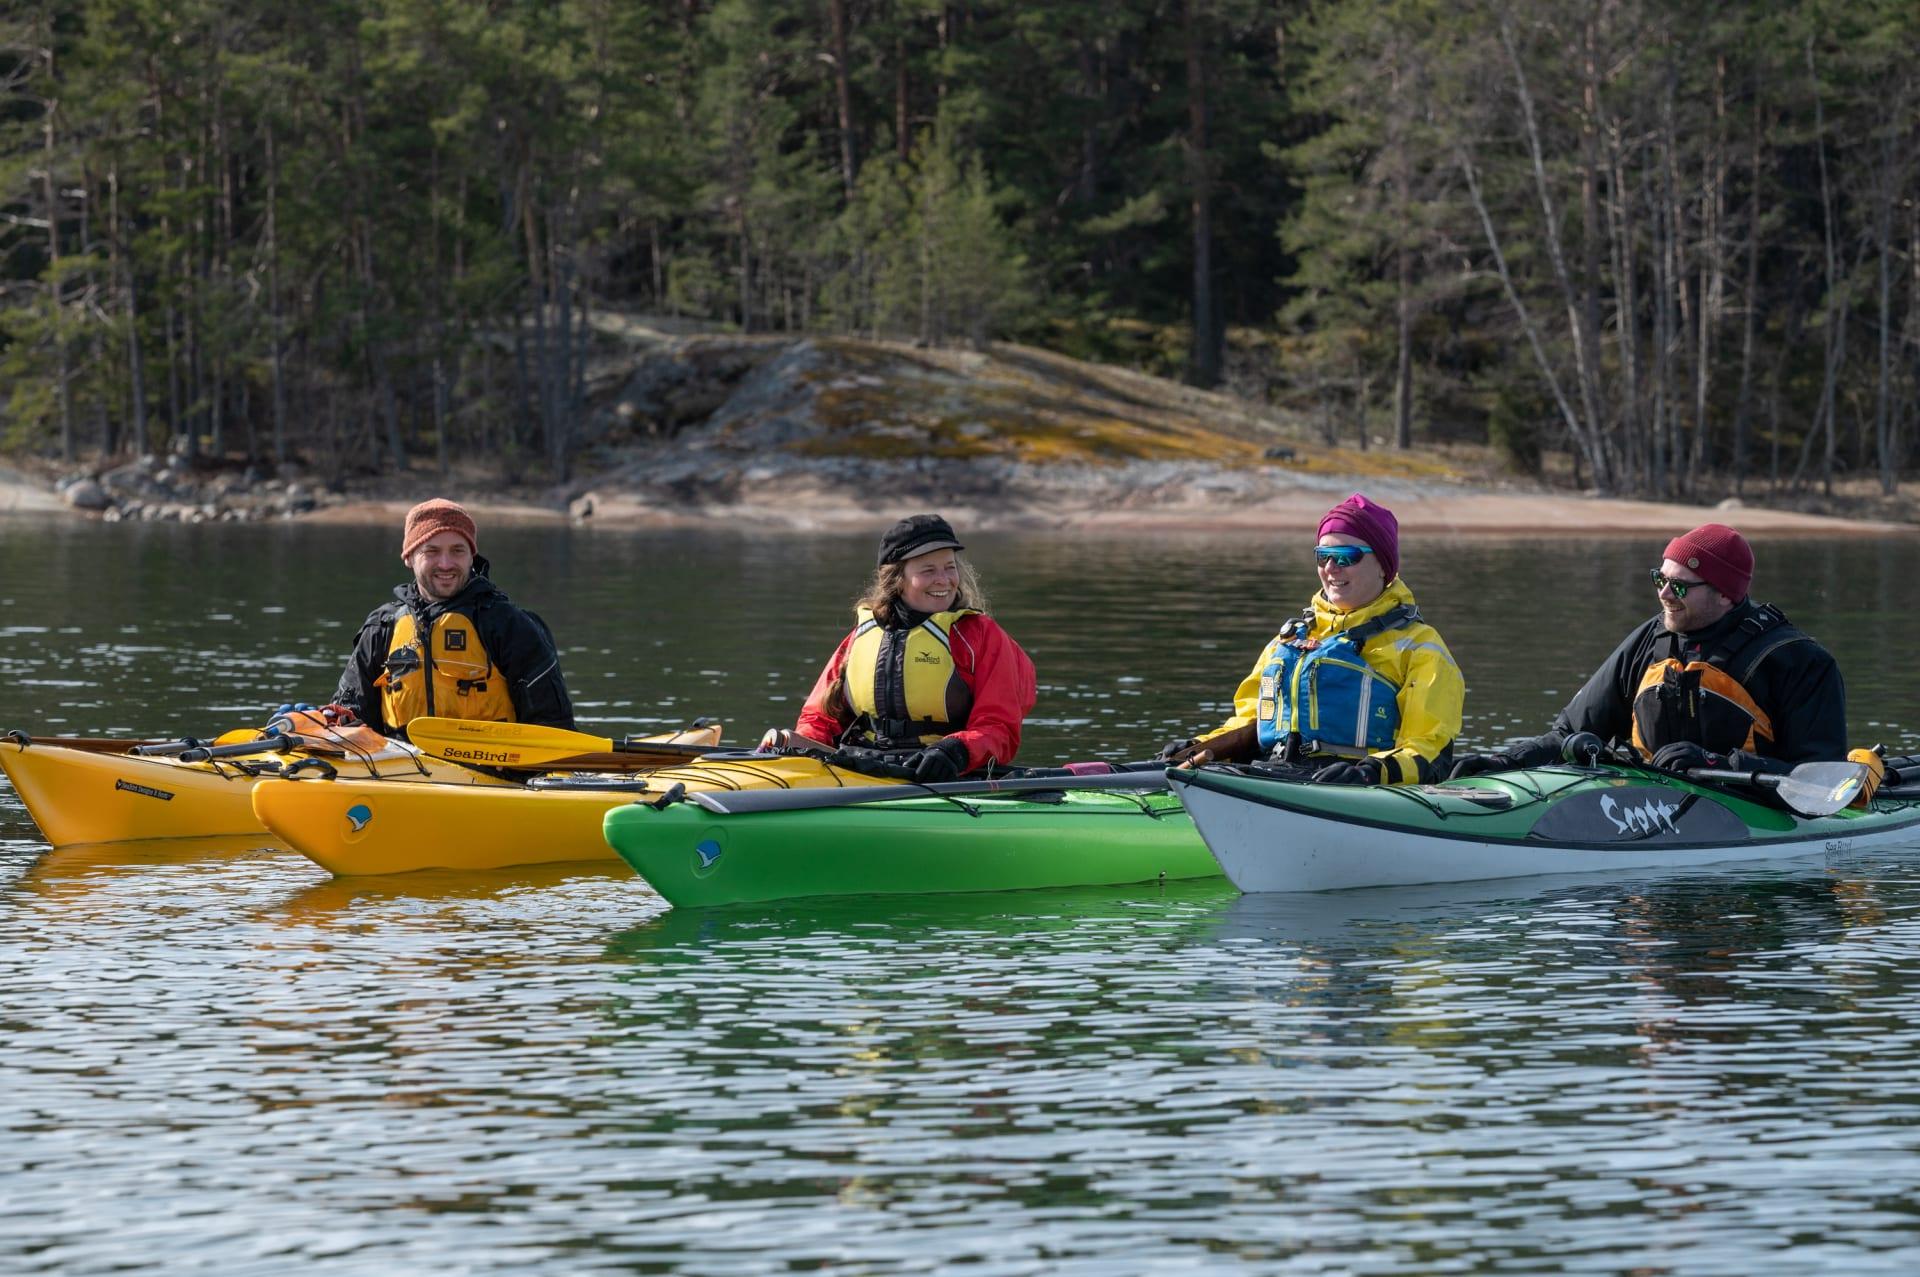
(1344, 555)
(1679, 588)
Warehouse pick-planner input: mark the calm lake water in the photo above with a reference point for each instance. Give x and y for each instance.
(216, 1058)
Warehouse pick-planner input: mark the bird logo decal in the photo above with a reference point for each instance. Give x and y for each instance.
(708, 851)
(358, 815)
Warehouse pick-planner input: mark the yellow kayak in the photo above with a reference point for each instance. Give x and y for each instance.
(384, 826)
(90, 790)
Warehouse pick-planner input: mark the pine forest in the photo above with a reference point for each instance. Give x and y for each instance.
(1664, 248)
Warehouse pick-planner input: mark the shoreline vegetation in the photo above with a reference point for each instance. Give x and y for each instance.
(1633, 250)
(798, 434)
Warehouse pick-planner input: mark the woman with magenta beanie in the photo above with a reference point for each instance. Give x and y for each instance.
(1358, 686)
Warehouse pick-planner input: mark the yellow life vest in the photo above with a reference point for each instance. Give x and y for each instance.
(902, 684)
(451, 677)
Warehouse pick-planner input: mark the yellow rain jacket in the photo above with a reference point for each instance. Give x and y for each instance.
(1412, 658)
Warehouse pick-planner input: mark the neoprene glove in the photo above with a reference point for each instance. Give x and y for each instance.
(1365, 771)
(1684, 755)
(774, 738)
(1174, 748)
(1477, 764)
(938, 762)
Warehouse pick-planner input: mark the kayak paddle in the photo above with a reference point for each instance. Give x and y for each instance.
(750, 801)
(1811, 789)
(530, 745)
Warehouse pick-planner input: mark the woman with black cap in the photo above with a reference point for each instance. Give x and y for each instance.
(925, 671)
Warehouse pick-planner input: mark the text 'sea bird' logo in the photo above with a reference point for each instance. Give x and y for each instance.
(708, 851)
(358, 815)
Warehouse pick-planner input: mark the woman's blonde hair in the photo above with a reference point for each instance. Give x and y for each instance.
(889, 582)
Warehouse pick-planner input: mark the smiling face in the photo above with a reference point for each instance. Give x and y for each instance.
(441, 565)
(1702, 607)
(930, 582)
(1350, 588)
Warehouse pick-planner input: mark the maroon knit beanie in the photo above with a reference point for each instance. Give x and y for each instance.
(429, 519)
(1720, 555)
(1372, 523)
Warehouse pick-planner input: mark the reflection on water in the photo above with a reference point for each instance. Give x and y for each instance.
(219, 1059)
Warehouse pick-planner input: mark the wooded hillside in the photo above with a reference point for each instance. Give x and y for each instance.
(1680, 245)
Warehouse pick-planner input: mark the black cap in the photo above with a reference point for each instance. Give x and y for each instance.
(917, 534)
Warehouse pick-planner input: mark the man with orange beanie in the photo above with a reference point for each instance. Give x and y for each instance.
(1714, 680)
(451, 644)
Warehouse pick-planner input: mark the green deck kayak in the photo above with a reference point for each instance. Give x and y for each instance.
(997, 842)
(1273, 833)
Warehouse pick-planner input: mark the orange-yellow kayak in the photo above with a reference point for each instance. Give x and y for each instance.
(367, 826)
(94, 791)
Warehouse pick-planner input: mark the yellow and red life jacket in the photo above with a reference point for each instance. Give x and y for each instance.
(902, 684)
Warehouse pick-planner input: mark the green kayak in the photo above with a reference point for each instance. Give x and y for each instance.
(969, 841)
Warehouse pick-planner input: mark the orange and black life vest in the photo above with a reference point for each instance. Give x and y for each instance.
(1700, 695)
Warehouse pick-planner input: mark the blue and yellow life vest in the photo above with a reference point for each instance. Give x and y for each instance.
(451, 676)
(902, 684)
(1323, 690)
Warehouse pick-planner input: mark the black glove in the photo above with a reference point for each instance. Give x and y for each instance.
(944, 760)
(1174, 748)
(1476, 764)
(1684, 755)
(1365, 771)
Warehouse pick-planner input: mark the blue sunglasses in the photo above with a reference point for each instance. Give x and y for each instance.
(1344, 555)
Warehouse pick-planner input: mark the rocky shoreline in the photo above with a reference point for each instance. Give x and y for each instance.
(773, 493)
(170, 490)
(804, 434)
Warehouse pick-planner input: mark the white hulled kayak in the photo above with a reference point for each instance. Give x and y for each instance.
(1279, 834)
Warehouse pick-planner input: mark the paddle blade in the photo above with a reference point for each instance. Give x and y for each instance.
(464, 740)
(1821, 789)
(1811, 789)
(532, 746)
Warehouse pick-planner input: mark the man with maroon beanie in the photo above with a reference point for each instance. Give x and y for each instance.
(451, 644)
(1715, 680)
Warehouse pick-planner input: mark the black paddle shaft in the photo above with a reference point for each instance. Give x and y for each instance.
(749, 801)
(266, 745)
